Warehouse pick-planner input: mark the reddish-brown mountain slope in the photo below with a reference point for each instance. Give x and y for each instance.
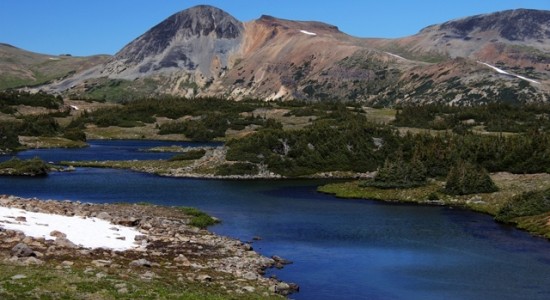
(204, 51)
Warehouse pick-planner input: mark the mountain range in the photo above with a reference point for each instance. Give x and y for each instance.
(203, 51)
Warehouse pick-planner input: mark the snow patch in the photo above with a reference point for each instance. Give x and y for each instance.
(395, 55)
(84, 232)
(308, 32)
(508, 73)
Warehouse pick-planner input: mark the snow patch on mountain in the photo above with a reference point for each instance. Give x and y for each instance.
(308, 32)
(508, 73)
(395, 55)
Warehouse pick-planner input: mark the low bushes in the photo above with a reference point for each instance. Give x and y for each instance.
(29, 167)
(396, 173)
(189, 155)
(240, 168)
(198, 218)
(527, 204)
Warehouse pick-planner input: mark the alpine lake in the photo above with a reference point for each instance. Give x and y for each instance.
(340, 249)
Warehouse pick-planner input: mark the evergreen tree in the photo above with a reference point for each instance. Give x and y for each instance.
(397, 173)
(465, 178)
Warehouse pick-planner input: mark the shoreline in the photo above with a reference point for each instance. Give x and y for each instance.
(175, 252)
(510, 186)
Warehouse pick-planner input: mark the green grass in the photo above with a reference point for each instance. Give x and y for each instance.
(117, 90)
(198, 218)
(355, 190)
(538, 224)
(47, 282)
(172, 148)
(188, 155)
(380, 115)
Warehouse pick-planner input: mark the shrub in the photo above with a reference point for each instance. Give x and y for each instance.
(396, 173)
(9, 140)
(74, 134)
(25, 98)
(239, 168)
(189, 155)
(39, 125)
(198, 218)
(527, 204)
(29, 167)
(433, 196)
(465, 178)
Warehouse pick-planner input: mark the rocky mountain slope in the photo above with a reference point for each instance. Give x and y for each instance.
(203, 51)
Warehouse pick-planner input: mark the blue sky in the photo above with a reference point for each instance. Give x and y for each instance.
(85, 27)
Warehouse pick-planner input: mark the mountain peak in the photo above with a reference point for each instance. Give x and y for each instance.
(203, 20)
(513, 25)
(189, 40)
(297, 25)
(197, 21)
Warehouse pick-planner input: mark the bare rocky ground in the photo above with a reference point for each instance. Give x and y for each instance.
(176, 253)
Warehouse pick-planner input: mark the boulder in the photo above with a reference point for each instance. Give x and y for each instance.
(104, 215)
(280, 262)
(101, 263)
(57, 234)
(284, 288)
(130, 221)
(148, 275)
(142, 262)
(32, 261)
(22, 250)
(64, 243)
(182, 260)
(204, 278)
(140, 237)
(250, 276)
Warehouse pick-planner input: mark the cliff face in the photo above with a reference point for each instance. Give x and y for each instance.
(203, 51)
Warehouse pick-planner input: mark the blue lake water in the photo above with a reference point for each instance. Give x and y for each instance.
(341, 249)
(108, 150)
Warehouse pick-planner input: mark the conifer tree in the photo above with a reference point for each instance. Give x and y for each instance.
(465, 178)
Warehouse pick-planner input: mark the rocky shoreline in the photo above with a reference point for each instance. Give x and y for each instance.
(174, 249)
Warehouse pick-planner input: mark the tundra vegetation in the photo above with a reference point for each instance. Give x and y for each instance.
(442, 150)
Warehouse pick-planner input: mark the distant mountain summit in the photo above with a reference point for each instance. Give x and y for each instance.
(201, 39)
(204, 51)
(512, 25)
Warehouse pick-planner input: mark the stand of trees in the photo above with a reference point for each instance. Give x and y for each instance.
(13, 98)
(465, 178)
(527, 204)
(495, 117)
(398, 173)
